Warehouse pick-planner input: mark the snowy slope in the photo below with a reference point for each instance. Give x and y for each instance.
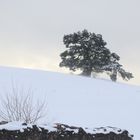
(80, 101)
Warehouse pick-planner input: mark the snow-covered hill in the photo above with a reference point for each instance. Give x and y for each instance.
(79, 101)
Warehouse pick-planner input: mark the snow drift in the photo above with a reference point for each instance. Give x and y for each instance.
(79, 101)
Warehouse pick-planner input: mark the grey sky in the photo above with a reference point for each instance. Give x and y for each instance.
(31, 31)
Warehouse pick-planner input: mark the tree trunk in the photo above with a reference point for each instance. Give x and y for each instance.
(113, 76)
(86, 72)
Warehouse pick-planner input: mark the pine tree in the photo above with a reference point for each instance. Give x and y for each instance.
(86, 51)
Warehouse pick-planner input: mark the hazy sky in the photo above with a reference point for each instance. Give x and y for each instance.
(31, 31)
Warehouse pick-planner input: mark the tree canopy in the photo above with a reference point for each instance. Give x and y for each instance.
(86, 51)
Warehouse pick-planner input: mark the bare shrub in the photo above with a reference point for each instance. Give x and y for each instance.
(19, 105)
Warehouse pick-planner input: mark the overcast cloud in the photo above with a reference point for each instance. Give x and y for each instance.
(31, 31)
